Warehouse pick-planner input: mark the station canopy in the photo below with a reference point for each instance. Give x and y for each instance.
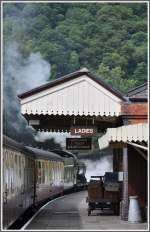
(78, 98)
(134, 134)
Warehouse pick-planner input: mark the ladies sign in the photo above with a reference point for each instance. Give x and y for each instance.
(83, 131)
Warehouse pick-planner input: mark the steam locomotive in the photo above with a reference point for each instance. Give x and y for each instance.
(31, 175)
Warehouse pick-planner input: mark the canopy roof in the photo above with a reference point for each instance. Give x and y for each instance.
(79, 93)
(70, 76)
(127, 133)
(139, 93)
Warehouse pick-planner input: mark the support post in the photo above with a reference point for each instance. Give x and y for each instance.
(125, 202)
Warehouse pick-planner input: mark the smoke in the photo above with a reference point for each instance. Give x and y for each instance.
(98, 167)
(58, 137)
(24, 73)
(19, 75)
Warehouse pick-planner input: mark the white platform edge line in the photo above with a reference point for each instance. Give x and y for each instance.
(28, 222)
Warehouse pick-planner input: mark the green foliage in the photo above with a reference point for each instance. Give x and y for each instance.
(115, 77)
(110, 38)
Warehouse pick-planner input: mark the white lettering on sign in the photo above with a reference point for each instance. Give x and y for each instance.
(83, 131)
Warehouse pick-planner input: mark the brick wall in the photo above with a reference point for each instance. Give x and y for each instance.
(135, 112)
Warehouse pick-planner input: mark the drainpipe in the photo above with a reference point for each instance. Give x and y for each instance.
(125, 203)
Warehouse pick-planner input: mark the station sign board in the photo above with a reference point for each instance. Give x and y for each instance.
(78, 143)
(83, 131)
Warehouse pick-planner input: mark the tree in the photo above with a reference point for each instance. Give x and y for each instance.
(70, 36)
(115, 77)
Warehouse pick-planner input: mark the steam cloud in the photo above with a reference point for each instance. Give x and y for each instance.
(98, 167)
(24, 73)
(58, 137)
(20, 74)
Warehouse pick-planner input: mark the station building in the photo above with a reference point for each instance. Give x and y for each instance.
(130, 146)
(81, 99)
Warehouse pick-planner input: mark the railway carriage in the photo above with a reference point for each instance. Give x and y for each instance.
(31, 175)
(18, 180)
(70, 168)
(49, 170)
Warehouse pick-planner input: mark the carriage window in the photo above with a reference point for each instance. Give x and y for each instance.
(62, 171)
(59, 171)
(48, 177)
(46, 171)
(19, 161)
(70, 174)
(39, 172)
(16, 159)
(17, 172)
(43, 172)
(56, 168)
(49, 170)
(53, 170)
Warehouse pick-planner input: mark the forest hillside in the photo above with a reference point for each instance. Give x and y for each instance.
(109, 39)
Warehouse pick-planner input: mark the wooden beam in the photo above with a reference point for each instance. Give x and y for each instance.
(117, 144)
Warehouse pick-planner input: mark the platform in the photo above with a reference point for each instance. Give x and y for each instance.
(70, 213)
